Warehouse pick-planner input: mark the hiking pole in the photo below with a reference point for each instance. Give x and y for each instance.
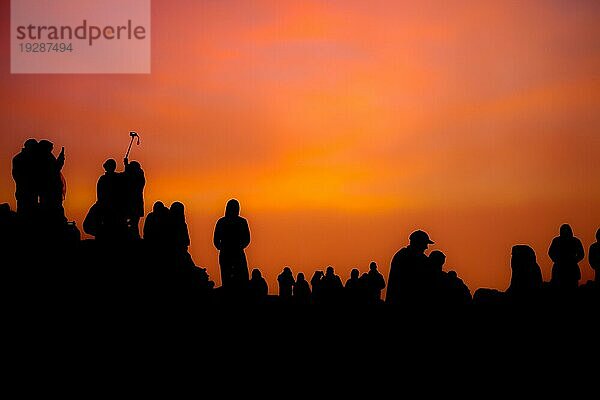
(133, 135)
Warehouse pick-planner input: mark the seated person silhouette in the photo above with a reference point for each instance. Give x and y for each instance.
(286, 282)
(526, 277)
(448, 289)
(594, 256)
(231, 237)
(407, 269)
(301, 290)
(435, 286)
(258, 289)
(566, 251)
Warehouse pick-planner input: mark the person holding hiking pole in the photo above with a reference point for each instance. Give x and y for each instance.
(133, 185)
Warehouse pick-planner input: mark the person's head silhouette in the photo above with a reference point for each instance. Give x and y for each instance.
(256, 274)
(300, 277)
(354, 273)
(232, 209)
(45, 145)
(287, 271)
(110, 165)
(177, 209)
(135, 166)
(158, 206)
(566, 231)
(437, 260)
(329, 271)
(419, 240)
(373, 266)
(30, 144)
(523, 254)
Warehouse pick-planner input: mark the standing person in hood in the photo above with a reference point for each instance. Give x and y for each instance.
(231, 237)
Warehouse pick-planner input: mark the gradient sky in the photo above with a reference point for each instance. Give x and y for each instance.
(341, 126)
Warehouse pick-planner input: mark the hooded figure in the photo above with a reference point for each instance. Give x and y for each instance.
(156, 227)
(286, 283)
(231, 237)
(526, 279)
(566, 251)
(179, 229)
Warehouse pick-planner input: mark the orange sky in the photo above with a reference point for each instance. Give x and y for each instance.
(341, 126)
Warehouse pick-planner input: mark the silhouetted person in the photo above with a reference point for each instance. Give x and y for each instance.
(526, 278)
(458, 293)
(108, 214)
(157, 225)
(331, 287)
(107, 188)
(180, 237)
(231, 237)
(435, 286)
(316, 283)
(566, 251)
(286, 282)
(354, 288)
(24, 172)
(301, 290)
(446, 288)
(374, 283)
(51, 185)
(134, 182)
(594, 256)
(257, 287)
(406, 270)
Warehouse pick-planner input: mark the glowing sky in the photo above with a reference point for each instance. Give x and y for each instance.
(341, 126)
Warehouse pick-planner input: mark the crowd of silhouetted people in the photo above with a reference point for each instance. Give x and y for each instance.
(165, 266)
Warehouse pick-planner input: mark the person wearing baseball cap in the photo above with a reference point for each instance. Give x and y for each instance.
(420, 237)
(407, 269)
